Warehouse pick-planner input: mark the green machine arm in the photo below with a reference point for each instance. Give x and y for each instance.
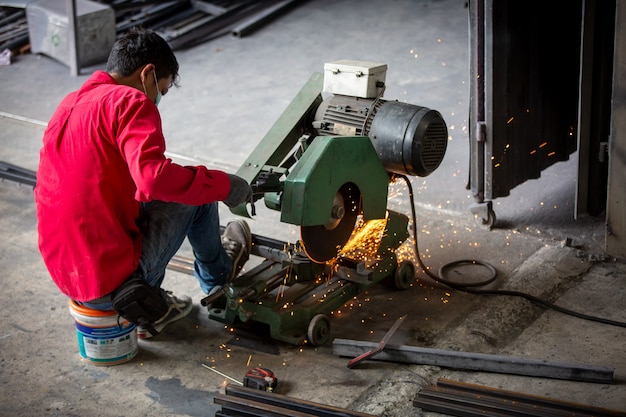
(329, 164)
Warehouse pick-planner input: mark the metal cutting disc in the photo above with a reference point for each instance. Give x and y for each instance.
(322, 243)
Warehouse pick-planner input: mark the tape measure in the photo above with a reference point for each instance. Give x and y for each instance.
(261, 379)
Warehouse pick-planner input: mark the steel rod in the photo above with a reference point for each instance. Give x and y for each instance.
(293, 404)
(477, 361)
(446, 407)
(483, 402)
(469, 400)
(521, 397)
(181, 264)
(229, 402)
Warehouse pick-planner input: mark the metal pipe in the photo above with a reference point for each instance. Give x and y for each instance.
(447, 407)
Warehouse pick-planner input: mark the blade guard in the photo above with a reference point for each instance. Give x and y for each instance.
(328, 164)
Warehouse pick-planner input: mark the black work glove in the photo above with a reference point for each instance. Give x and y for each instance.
(240, 192)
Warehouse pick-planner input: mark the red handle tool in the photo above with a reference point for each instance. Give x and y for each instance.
(380, 346)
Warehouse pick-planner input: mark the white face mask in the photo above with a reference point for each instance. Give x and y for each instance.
(159, 95)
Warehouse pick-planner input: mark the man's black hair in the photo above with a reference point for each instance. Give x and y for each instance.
(139, 47)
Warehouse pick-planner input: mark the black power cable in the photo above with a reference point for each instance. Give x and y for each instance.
(470, 287)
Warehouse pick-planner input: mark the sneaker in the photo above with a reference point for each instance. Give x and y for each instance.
(178, 308)
(237, 241)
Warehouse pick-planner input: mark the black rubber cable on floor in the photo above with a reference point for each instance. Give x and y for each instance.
(470, 287)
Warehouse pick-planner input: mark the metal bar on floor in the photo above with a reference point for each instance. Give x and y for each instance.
(235, 406)
(521, 397)
(477, 361)
(470, 400)
(292, 406)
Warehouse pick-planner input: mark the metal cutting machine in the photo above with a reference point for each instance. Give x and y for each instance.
(326, 165)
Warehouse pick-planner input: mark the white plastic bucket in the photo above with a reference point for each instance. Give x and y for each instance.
(104, 338)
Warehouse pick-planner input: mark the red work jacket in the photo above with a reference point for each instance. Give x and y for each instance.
(102, 154)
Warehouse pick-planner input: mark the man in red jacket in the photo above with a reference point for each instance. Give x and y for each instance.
(111, 205)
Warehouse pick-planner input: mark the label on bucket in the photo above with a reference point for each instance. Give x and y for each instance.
(107, 345)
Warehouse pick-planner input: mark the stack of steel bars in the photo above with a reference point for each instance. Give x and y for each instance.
(183, 23)
(241, 401)
(13, 29)
(468, 400)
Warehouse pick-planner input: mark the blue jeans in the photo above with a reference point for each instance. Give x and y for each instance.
(164, 227)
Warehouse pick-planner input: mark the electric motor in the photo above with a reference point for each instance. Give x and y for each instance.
(409, 139)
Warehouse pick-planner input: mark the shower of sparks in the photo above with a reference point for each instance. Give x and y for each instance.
(365, 240)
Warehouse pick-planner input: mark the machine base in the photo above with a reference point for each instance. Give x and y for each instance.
(293, 295)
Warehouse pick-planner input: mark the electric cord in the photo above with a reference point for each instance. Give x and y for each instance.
(470, 287)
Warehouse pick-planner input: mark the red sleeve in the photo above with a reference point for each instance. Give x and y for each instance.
(140, 139)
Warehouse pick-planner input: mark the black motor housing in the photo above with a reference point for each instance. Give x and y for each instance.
(409, 139)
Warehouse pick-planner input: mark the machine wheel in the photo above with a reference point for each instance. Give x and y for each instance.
(488, 222)
(483, 213)
(318, 332)
(404, 275)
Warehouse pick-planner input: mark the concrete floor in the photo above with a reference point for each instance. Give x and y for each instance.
(232, 92)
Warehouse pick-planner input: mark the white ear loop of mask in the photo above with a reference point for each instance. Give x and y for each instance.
(156, 84)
